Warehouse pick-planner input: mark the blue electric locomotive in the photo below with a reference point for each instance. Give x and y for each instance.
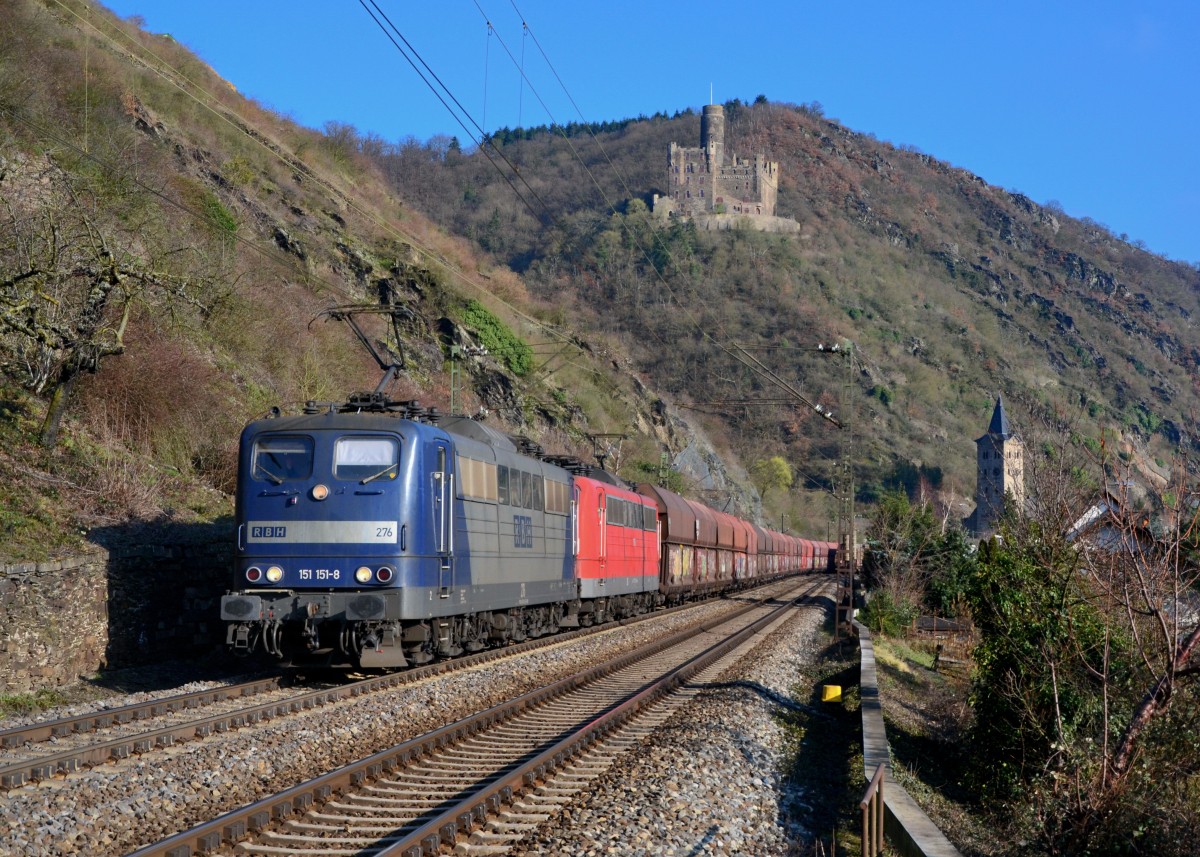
(369, 537)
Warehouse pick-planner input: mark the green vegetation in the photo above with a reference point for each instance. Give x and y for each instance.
(771, 473)
(658, 474)
(1083, 727)
(885, 615)
(935, 327)
(498, 339)
(915, 563)
(137, 336)
(218, 215)
(29, 703)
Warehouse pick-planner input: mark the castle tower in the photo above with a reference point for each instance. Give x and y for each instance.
(712, 136)
(1000, 468)
(702, 182)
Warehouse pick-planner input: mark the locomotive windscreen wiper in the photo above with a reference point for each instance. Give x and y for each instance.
(274, 477)
(375, 476)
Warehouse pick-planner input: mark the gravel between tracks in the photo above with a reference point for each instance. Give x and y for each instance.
(116, 808)
(710, 780)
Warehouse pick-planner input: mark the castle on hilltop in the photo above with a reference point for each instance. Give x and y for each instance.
(701, 182)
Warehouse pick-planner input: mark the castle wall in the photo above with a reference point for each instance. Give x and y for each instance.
(700, 181)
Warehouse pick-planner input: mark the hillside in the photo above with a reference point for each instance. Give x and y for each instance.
(169, 256)
(951, 290)
(171, 251)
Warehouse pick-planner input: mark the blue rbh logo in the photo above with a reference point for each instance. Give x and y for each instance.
(268, 532)
(522, 531)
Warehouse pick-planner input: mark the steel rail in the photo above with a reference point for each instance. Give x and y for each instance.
(471, 812)
(236, 825)
(34, 733)
(47, 765)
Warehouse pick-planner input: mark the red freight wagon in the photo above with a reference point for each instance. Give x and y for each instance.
(706, 545)
(680, 528)
(743, 539)
(758, 557)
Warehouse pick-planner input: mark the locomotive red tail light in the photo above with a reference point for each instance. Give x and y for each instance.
(254, 574)
(384, 575)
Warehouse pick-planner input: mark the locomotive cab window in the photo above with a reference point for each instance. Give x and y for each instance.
(281, 459)
(366, 459)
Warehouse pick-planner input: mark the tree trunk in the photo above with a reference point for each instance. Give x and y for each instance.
(58, 404)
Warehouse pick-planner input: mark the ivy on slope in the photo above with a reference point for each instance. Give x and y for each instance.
(498, 339)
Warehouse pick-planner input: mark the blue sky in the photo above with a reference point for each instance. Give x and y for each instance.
(1095, 105)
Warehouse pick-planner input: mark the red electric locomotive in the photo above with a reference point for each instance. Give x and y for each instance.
(616, 547)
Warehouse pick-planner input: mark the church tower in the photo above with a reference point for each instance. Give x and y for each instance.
(1000, 463)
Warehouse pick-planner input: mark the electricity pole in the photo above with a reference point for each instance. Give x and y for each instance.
(847, 547)
(847, 543)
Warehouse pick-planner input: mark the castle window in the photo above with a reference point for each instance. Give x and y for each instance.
(702, 193)
(689, 194)
(995, 471)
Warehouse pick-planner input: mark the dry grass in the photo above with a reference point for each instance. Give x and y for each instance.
(927, 716)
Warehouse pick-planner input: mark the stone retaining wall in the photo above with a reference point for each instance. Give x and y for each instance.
(147, 597)
(909, 831)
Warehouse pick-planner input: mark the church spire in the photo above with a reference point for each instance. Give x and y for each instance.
(999, 425)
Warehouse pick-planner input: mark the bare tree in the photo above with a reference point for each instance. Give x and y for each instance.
(1145, 582)
(1089, 608)
(71, 271)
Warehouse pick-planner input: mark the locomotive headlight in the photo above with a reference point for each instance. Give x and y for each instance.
(384, 574)
(254, 574)
(363, 574)
(274, 574)
(320, 492)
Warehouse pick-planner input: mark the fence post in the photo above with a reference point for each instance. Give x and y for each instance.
(872, 816)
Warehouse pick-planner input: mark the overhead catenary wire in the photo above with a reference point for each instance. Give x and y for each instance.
(544, 217)
(206, 100)
(421, 248)
(735, 351)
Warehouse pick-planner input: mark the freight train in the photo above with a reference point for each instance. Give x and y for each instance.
(373, 534)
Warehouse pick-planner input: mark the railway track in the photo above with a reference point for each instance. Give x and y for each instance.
(479, 784)
(63, 746)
